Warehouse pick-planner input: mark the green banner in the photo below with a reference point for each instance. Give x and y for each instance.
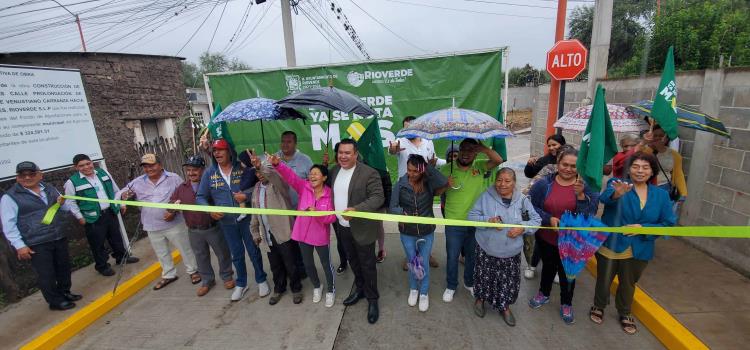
(395, 89)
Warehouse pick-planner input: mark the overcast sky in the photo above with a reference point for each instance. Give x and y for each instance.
(458, 25)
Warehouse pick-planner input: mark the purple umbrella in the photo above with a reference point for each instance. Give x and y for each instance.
(577, 247)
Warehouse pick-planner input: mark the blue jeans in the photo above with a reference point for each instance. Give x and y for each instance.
(425, 248)
(458, 238)
(238, 238)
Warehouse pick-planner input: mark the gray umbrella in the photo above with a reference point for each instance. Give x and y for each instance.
(327, 98)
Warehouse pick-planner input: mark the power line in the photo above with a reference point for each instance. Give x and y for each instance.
(510, 4)
(217, 26)
(332, 32)
(386, 27)
(341, 16)
(466, 10)
(315, 25)
(240, 26)
(242, 44)
(197, 29)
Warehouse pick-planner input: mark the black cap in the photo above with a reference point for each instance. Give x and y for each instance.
(195, 161)
(26, 166)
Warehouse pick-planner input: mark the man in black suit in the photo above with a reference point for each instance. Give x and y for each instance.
(357, 187)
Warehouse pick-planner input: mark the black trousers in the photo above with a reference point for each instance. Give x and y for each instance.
(283, 266)
(105, 229)
(339, 244)
(51, 262)
(362, 261)
(551, 266)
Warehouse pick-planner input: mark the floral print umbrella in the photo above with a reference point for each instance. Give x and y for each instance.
(623, 120)
(455, 124)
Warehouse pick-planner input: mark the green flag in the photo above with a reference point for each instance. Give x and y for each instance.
(598, 144)
(664, 110)
(370, 146)
(498, 143)
(218, 130)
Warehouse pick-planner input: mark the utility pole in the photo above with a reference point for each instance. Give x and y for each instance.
(601, 33)
(554, 88)
(286, 21)
(78, 22)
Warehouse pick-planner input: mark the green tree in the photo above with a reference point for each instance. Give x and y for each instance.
(527, 76)
(192, 74)
(701, 31)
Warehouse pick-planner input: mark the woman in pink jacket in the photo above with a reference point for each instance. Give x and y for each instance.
(312, 232)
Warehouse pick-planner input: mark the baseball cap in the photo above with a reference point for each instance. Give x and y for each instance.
(26, 166)
(221, 144)
(149, 158)
(195, 161)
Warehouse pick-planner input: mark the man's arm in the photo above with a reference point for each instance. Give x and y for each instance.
(71, 191)
(494, 158)
(9, 216)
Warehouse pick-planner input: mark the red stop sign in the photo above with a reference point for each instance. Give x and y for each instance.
(566, 59)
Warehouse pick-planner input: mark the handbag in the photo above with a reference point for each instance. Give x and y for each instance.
(674, 193)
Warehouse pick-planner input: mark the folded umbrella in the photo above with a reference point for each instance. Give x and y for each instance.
(577, 247)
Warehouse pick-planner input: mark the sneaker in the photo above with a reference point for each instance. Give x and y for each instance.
(470, 289)
(263, 289)
(566, 312)
(413, 295)
(330, 297)
(448, 295)
(557, 279)
(529, 272)
(340, 269)
(538, 300)
(381, 256)
(238, 293)
(424, 302)
(316, 295)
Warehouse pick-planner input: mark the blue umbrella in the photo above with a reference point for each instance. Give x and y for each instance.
(256, 109)
(455, 124)
(577, 247)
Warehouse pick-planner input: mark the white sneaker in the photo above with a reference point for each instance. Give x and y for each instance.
(330, 297)
(557, 279)
(470, 289)
(448, 295)
(238, 293)
(316, 295)
(413, 295)
(264, 289)
(529, 273)
(424, 302)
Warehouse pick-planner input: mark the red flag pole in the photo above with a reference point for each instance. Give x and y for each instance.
(554, 89)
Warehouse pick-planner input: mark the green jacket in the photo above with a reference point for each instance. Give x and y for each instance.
(91, 210)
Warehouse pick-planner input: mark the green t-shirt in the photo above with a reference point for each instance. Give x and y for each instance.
(471, 183)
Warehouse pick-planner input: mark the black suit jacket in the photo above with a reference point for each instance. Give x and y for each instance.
(365, 194)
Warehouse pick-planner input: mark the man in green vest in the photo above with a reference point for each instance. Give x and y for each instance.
(99, 219)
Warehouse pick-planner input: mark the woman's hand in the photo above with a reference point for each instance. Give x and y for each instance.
(632, 225)
(311, 208)
(273, 159)
(532, 160)
(515, 232)
(496, 220)
(621, 188)
(216, 216)
(579, 188)
(554, 222)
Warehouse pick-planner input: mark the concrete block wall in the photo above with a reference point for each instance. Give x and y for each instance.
(726, 196)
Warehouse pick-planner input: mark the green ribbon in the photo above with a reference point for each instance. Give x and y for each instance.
(50, 214)
(684, 231)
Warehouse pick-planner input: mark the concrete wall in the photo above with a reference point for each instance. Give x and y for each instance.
(522, 98)
(721, 193)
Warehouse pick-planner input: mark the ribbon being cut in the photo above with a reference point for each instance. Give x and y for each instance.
(685, 231)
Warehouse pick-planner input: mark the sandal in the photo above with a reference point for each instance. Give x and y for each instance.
(596, 315)
(195, 278)
(164, 282)
(628, 324)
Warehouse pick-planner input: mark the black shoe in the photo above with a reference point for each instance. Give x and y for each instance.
(340, 269)
(373, 313)
(353, 298)
(509, 319)
(65, 305)
(129, 260)
(72, 297)
(107, 272)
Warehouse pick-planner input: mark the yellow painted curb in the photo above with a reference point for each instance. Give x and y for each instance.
(61, 332)
(670, 332)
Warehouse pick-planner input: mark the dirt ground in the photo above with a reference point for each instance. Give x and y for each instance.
(519, 119)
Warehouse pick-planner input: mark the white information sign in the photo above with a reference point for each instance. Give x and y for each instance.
(44, 118)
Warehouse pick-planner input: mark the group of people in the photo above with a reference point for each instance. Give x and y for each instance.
(470, 189)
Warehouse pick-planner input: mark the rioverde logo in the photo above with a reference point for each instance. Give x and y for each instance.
(356, 79)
